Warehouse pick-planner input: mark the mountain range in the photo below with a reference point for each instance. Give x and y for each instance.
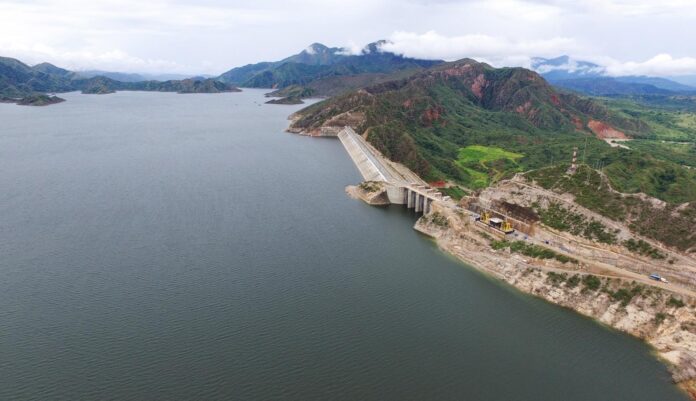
(425, 119)
(25, 84)
(592, 79)
(320, 70)
(467, 123)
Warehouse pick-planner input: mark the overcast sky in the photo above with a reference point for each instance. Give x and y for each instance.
(210, 36)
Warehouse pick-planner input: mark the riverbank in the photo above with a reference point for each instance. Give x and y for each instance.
(664, 320)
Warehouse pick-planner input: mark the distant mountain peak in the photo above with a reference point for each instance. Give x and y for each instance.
(558, 61)
(592, 79)
(48, 68)
(374, 47)
(316, 48)
(566, 65)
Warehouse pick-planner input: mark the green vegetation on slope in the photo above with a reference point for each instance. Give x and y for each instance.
(560, 218)
(425, 119)
(472, 124)
(531, 250)
(643, 248)
(455, 192)
(486, 163)
(320, 62)
(669, 223)
(666, 123)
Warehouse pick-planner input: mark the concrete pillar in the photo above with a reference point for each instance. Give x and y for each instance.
(409, 201)
(419, 202)
(405, 196)
(428, 203)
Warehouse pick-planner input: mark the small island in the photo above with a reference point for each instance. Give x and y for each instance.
(35, 100)
(286, 100)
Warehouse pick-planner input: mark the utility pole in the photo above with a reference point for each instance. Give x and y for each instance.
(584, 153)
(574, 163)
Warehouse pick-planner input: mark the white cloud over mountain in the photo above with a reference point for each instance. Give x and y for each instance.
(494, 49)
(660, 65)
(210, 36)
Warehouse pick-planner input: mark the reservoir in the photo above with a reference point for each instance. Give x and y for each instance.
(157, 246)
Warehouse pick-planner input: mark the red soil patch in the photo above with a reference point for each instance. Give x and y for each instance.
(437, 184)
(478, 85)
(523, 108)
(604, 130)
(555, 100)
(430, 115)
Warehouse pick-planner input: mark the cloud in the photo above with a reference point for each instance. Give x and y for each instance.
(494, 49)
(660, 65)
(632, 8)
(573, 66)
(211, 36)
(112, 60)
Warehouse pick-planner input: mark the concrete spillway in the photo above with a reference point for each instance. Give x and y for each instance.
(366, 163)
(413, 195)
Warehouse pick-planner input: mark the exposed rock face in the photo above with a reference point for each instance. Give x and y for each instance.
(478, 85)
(605, 131)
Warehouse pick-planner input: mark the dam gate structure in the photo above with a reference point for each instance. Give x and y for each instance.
(413, 195)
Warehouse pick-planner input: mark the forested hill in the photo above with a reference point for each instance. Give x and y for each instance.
(473, 124)
(319, 62)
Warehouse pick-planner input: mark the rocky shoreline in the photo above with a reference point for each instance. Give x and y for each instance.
(663, 319)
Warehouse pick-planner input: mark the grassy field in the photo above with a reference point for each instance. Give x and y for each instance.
(483, 154)
(486, 164)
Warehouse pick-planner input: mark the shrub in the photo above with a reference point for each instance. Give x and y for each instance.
(556, 278)
(591, 282)
(369, 186)
(624, 295)
(531, 250)
(659, 318)
(677, 303)
(560, 218)
(573, 281)
(643, 248)
(438, 219)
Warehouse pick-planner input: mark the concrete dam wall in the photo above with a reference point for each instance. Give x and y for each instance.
(365, 162)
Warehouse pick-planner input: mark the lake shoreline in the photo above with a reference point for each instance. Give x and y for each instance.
(672, 339)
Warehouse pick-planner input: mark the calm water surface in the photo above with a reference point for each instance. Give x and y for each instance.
(183, 247)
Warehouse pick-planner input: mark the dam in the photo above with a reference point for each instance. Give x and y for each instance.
(403, 186)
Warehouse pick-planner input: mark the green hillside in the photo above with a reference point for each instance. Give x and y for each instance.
(425, 120)
(319, 62)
